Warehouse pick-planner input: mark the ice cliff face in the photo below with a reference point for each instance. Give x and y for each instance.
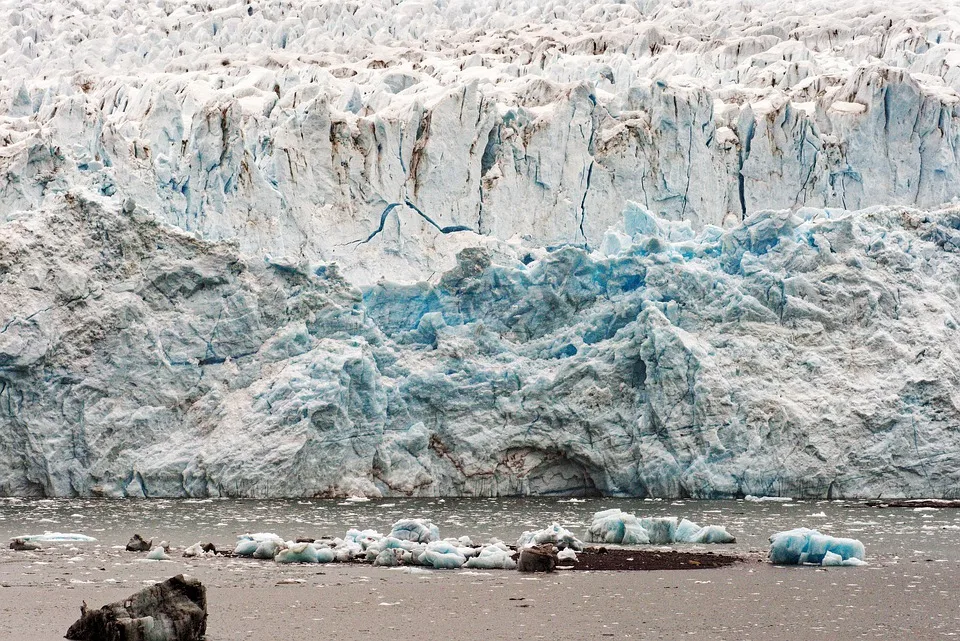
(678, 249)
(809, 354)
(293, 126)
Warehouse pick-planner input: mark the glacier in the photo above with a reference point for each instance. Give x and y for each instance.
(805, 354)
(476, 248)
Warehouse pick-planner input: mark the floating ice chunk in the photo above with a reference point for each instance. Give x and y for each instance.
(325, 553)
(347, 551)
(617, 527)
(686, 531)
(57, 537)
(418, 530)
(660, 529)
(567, 554)
(364, 537)
(802, 545)
(555, 534)
(492, 557)
(767, 499)
(297, 553)
(714, 534)
(613, 526)
(389, 557)
(267, 549)
(261, 536)
(194, 550)
(246, 547)
(158, 554)
(442, 555)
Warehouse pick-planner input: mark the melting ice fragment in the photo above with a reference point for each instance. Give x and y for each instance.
(802, 545)
(617, 527)
(556, 534)
(417, 530)
(57, 537)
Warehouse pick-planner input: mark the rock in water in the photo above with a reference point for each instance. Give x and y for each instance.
(138, 544)
(22, 545)
(538, 558)
(175, 610)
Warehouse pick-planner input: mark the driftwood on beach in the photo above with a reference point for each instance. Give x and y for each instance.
(174, 610)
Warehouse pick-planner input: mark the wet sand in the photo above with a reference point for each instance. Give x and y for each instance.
(891, 599)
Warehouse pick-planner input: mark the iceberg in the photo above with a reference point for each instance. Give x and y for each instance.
(57, 537)
(556, 534)
(442, 555)
(617, 527)
(297, 553)
(416, 530)
(493, 557)
(158, 554)
(267, 549)
(802, 545)
(325, 554)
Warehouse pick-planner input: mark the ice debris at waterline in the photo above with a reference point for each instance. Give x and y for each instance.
(617, 527)
(556, 534)
(57, 537)
(666, 365)
(174, 610)
(801, 545)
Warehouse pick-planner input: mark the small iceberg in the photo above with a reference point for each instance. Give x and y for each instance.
(493, 557)
(297, 553)
(57, 537)
(442, 555)
(622, 528)
(416, 530)
(801, 545)
(555, 534)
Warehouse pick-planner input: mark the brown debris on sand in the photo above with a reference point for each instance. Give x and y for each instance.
(600, 558)
(538, 558)
(175, 610)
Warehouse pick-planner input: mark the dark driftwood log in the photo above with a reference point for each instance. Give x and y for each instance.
(175, 610)
(137, 544)
(538, 558)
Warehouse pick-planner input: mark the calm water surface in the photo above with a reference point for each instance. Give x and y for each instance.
(892, 532)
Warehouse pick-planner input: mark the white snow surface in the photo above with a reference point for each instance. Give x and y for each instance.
(701, 248)
(292, 126)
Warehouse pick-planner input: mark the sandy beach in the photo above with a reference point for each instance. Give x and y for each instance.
(260, 600)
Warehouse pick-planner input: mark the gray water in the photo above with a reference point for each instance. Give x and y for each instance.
(891, 532)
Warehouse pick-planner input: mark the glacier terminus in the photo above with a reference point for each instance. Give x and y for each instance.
(656, 249)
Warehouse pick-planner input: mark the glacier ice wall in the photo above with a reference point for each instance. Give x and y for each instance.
(281, 248)
(810, 354)
(293, 126)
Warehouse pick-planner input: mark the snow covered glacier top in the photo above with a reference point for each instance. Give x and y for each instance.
(293, 126)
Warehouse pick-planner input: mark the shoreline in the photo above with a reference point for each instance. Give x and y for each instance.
(259, 600)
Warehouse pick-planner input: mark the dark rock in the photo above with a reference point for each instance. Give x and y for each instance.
(175, 610)
(538, 558)
(23, 545)
(304, 539)
(137, 544)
